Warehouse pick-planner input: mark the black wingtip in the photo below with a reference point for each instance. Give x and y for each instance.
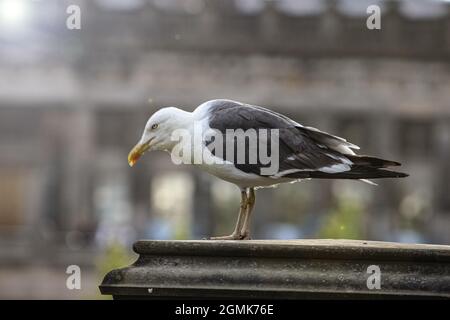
(395, 163)
(374, 162)
(392, 174)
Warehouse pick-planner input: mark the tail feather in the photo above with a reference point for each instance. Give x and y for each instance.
(356, 172)
(359, 172)
(372, 162)
(369, 182)
(362, 168)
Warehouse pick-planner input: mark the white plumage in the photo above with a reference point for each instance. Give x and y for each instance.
(301, 152)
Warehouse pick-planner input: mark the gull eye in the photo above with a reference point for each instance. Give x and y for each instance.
(154, 126)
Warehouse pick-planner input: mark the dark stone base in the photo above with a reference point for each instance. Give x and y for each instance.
(305, 269)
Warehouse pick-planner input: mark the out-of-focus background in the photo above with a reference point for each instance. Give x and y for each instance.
(73, 103)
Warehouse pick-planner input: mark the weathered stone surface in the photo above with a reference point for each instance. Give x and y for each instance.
(281, 269)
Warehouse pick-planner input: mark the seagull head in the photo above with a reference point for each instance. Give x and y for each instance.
(158, 131)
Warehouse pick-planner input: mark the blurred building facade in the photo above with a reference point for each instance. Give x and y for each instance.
(73, 102)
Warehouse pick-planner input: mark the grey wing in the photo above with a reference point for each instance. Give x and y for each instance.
(301, 155)
(298, 149)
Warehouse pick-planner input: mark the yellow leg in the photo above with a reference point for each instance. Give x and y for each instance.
(236, 235)
(245, 231)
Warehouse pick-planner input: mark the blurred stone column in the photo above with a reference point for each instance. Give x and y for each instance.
(322, 194)
(141, 175)
(263, 213)
(384, 138)
(202, 211)
(79, 153)
(391, 20)
(447, 30)
(141, 181)
(52, 169)
(330, 26)
(269, 23)
(441, 202)
(209, 20)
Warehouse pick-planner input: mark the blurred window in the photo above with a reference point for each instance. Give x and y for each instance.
(355, 130)
(423, 9)
(180, 6)
(358, 8)
(13, 195)
(121, 5)
(171, 200)
(18, 124)
(250, 6)
(301, 8)
(114, 129)
(416, 138)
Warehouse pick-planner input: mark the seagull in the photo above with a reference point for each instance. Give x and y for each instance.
(301, 152)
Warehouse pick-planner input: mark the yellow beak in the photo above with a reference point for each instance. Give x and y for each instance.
(137, 152)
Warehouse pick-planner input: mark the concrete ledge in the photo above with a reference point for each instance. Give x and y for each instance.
(281, 269)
